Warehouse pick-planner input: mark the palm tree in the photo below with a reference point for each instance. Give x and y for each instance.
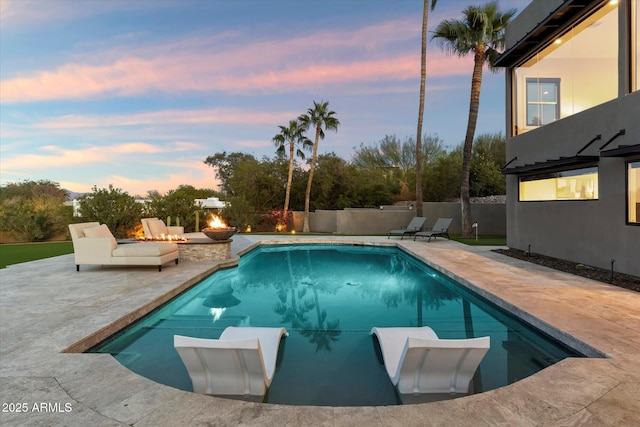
(294, 135)
(423, 78)
(481, 33)
(321, 117)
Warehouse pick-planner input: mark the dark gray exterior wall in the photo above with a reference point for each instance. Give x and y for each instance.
(591, 232)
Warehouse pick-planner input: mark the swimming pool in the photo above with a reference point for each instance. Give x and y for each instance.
(328, 297)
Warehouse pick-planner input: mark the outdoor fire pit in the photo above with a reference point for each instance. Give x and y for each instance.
(219, 233)
(218, 229)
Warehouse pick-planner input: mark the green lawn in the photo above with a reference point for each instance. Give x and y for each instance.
(23, 252)
(487, 240)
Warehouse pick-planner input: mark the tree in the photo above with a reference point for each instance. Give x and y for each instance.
(334, 183)
(423, 78)
(392, 153)
(397, 160)
(320, 117)
(486, 178)
(294, 135)
(258, 181)
(113, 207)
(481, 33)
(33, 188)
(441, 179)
(224, 165)
(240, 213)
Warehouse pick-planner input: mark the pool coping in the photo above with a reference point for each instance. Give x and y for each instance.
(574, 391)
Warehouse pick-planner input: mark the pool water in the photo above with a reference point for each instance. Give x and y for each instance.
(328, 298)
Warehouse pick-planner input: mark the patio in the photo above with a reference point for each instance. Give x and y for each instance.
(45, 307)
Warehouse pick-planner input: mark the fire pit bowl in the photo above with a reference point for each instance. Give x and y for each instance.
(219, 233)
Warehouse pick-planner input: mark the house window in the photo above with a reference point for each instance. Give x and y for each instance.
(543, 104)
(584, 57)
(633, 192)
(577, 184)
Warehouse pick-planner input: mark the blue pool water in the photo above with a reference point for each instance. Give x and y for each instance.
(329, 298)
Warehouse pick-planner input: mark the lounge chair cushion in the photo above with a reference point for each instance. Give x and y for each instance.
(100, 231)
(144, 249)
(154, 228)
(157, 227)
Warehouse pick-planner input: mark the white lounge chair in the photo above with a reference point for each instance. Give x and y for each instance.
(440, 228)
(414, 226)
(417, 361)
(241, 362)
(156, 228)
(93, 243)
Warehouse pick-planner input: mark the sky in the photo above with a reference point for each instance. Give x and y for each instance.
(137, 93)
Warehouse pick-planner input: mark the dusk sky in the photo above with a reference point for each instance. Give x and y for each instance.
(137, 93)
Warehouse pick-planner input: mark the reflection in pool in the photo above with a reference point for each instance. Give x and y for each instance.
(329, 298)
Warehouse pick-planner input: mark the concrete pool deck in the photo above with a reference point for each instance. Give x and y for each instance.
(45, 307)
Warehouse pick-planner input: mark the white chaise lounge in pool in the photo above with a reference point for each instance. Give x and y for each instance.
(241, 362)
(417, 361)
(93, 243)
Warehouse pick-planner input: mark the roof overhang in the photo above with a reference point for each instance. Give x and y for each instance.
(553, 165)
(621, 151)
(547, 30)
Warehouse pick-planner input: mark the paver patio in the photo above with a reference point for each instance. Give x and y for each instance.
(45, 307)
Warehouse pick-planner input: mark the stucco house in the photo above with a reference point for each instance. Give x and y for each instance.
(573, 131)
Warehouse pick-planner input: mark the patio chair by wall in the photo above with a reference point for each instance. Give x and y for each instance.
(440, 228)
(414, 226)
(417, 361)
(154, 227)
(241, 362)
(94, 244)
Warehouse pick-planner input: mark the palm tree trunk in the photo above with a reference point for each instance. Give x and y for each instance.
(423, 78)
(287, 193)
(305, 226)
(474, 105)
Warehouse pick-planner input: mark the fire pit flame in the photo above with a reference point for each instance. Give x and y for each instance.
(217, 222)
(163, 238)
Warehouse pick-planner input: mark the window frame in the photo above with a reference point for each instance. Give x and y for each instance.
(540, 103)
(627, 163)
(548, 175)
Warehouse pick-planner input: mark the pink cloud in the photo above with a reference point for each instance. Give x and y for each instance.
(52, 156)
(226, 63)
(132, 156)
(164, 117)
(136, 148)
(132, 76)
(198, 175)
(60, 157)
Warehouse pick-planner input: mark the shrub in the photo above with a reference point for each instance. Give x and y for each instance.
(240, 213)
(33, 210)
